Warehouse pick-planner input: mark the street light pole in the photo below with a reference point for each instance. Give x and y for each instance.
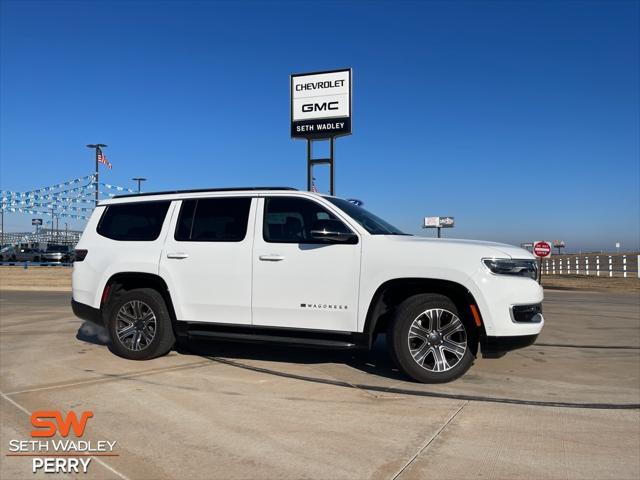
(96, 147)
(139, 180)
(52, 225)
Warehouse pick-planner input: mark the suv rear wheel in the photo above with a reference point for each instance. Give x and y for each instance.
(429, 341)
(139, 325)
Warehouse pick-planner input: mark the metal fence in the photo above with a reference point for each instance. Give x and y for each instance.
(598, 265)
(27, 265)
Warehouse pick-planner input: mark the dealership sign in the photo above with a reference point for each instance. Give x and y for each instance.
(321, 104)
(438, 222)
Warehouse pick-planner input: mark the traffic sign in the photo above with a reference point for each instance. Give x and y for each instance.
(541, 249)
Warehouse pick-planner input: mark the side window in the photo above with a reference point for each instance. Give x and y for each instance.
(291, 220)
(213, 220)
(140, 221)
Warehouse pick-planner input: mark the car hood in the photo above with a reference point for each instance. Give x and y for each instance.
(492, 248)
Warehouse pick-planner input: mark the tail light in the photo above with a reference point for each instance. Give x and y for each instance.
(80, 254)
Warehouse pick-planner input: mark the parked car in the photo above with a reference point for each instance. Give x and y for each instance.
(284, 266)
(4, 251)
(13, 254)
(58, 254)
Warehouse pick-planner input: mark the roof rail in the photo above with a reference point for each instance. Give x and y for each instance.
(199, 190)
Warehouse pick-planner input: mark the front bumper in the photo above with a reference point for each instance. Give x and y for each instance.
(504, 303)
(87, 313)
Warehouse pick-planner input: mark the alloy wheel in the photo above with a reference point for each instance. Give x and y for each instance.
(437, 340)
(136, 325)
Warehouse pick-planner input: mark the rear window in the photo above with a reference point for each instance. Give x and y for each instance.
(141, 221)
(213, 220)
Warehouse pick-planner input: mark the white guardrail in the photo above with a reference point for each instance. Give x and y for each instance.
(625, 266)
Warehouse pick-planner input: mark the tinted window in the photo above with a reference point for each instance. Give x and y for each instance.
(290, 220)
(213, 220)
(141, 221)
(370, 222)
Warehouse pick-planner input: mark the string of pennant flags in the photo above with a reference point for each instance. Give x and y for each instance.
(87, 178)
(42, 212)
(41, 192)
(117, 188)
(62, 200)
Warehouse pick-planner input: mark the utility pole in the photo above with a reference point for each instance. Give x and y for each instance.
(97, 147)
(139, 180)
(2, 228)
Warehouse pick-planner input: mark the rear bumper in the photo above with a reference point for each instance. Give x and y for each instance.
(496, 347)
(85, 312)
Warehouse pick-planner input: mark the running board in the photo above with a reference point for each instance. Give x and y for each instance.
(283, 336)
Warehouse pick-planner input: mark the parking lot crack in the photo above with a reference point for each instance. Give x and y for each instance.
(432, 439)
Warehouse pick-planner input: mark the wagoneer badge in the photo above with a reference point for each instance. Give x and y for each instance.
(323, 306)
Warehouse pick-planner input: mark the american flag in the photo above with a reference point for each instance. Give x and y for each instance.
(102, 158)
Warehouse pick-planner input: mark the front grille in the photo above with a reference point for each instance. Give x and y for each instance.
(527, 313)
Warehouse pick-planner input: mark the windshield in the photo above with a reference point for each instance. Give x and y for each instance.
(371, 223)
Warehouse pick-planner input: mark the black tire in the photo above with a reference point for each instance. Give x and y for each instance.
(398, 340)
(163, 338)
(36, 259)
(12, 258)
(1, 258)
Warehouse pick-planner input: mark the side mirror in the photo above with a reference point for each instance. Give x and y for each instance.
(332, 231)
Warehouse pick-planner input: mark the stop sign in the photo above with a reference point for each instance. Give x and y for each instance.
(541, 249)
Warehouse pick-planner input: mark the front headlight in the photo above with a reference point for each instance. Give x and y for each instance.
(520, 268)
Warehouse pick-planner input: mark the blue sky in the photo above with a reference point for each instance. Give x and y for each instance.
(520, 119)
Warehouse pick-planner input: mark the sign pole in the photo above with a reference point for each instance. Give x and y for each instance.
(332, 178)
(311, 162)
(309, 165)
(540, 270)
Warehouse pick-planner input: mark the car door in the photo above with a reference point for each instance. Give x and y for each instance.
(206, 260)
(299, 281)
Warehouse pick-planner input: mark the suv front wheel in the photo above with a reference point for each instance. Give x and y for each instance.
(139, 325)
(429, 340)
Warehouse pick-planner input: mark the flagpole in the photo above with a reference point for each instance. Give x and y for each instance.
(97, 147)
(97, 173)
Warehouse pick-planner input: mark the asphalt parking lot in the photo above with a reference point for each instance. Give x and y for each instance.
(565, 408)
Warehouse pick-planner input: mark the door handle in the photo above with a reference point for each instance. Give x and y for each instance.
(177, 255)
(271, 258)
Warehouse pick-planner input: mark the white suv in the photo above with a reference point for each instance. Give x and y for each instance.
(281, 265)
